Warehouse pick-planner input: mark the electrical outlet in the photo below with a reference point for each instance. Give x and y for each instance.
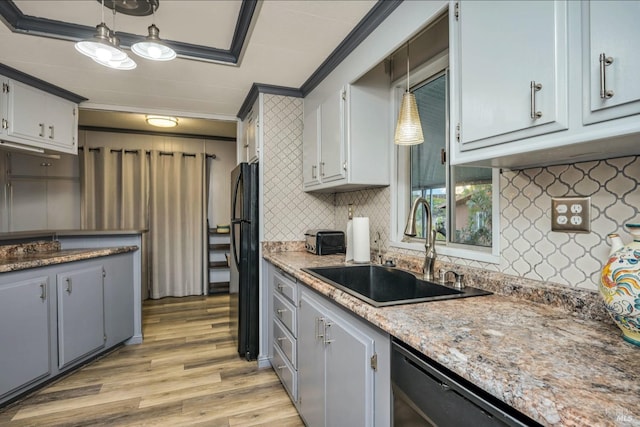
(571, 214)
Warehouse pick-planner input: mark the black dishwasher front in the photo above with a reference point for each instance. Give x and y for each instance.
(425, 395)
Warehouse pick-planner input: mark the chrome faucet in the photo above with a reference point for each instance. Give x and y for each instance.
(430, 238)
(378, 241)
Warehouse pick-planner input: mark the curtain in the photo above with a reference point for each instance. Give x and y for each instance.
(176, 223)
(115, 188)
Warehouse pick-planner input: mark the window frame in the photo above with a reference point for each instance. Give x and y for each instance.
(401, 171)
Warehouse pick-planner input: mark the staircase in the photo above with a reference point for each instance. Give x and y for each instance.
(219, 247)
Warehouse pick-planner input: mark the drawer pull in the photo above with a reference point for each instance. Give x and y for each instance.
(281, 367)
(535, 87)
(280, 287)
(69, 287)
(281, 339)
(605, 61)
(280, 311)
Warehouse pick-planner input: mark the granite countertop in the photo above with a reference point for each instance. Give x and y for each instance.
(23, 261)
(555, 367)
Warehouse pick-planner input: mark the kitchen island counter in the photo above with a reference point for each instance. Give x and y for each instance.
(555, 367)
(36, 259)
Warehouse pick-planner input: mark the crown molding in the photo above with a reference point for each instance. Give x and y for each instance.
(18, 22)
(14, 74)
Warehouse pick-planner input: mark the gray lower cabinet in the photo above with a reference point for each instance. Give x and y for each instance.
(24, 332)
(53, 318)
(343, 366)
(80, 295)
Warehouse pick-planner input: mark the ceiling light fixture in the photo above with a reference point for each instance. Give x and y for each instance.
(408, 128)
(162, 121)
(124, 64)
(152, 47)
(100, 47)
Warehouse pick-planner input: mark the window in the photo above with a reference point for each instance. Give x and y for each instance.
(463, 200)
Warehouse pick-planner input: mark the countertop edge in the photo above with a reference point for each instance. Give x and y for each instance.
(61, 257)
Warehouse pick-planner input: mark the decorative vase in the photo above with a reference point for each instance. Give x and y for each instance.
(620, 285)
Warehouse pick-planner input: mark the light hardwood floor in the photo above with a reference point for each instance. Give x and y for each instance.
(186, 373)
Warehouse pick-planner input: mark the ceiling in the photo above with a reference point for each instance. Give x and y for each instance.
(285, 44)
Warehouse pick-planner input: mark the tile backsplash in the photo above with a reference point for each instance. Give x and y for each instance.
(529, 248)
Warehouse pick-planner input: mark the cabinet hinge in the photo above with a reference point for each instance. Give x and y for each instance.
(456, 11)
(74, 112)
(5, 87)
(104, 273)
(344, 166)
(343, 95)
(374, 361)
(458, 132)
(5, 124)
(105, 337)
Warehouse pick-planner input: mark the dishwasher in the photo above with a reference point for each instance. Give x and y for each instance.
(427, 394)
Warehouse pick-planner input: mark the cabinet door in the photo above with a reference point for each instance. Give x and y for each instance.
(333, 137)
(27, 205)
(27, 112)
(62, 124)
(495, 73)
(611, 30)
(311, 367)
(118, 298)
(80, 313)
(349, 376)
(24, 333)
(251, 138)
(310, 148)
(63, 204)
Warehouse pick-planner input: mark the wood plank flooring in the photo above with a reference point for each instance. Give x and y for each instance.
(186, 373)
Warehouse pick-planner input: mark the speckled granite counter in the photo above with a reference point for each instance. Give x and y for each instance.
(33, 259)
(555, 367)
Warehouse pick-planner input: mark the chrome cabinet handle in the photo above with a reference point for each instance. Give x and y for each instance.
(51, 130)
(43, 291)
(280, 287)
(41, 134)
(326, 333)
(313, 172)
(280, 339)
(605, 61)
(69, 287)
(318, 335)
(281, 367)
(535, 87)
(321, 168)
(280, 311)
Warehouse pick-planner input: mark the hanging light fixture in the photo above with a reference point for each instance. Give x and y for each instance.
(408, 128)
(124, 64)
(152, 47)
(162, 121)
(100, 47)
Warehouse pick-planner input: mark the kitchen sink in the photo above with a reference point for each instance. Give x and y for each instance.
(382, 286)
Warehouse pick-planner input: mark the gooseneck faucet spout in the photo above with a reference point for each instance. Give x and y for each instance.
(430, 236)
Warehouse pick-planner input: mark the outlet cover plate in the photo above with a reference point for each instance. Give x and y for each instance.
(571, 214)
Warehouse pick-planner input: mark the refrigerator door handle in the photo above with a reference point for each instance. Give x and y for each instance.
(236, 258)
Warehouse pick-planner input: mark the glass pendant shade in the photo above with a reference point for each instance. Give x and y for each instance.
(117, 64)
(99, 47)
(409, 127)
(153, 48)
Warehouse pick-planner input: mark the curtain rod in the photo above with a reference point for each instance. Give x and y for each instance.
(162, 153)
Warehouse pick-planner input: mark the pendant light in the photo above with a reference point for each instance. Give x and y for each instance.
(100, 47)
(408, 128)
(152, 47)
(117, 64)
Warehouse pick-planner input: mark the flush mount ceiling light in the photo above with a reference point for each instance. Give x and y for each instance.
(408, 128)
(162, 121)
(100, 47)
(152, 47)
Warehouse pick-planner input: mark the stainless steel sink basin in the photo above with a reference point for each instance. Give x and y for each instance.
(382, 286)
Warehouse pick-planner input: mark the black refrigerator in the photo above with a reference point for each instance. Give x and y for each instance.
(243, 285)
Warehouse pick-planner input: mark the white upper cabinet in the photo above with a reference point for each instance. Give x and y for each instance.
(584, 109)
(347, 141)
(34, 118)
(251, 135)
(611, 63)
(511, 70)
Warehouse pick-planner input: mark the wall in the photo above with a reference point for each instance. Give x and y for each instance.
(528, 247)
(224, 162)
(288, 211)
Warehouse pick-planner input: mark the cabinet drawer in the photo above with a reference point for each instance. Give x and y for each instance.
(283, 339)
(284, 311)
(288, 376)
(284, 286)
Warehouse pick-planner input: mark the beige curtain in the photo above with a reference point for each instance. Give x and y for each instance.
(115, 194)
(176, 226)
